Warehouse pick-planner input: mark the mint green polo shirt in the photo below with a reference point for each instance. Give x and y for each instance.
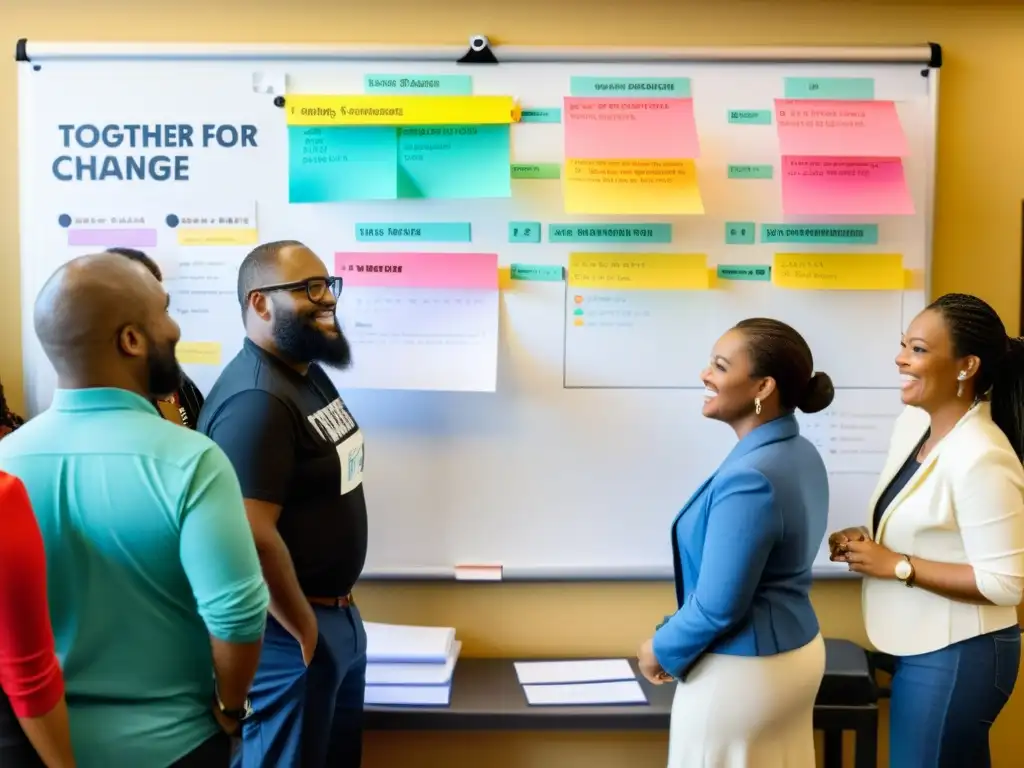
(149, 553)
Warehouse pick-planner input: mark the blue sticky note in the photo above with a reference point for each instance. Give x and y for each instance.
(541, 115)
(524, 231)
(861, 234)
(430, 85)
(740, 232)
(610, 233)
(856, 88)
(425, 232)
(542, 273)
(327, 165)
(631, 87)
(454, 161)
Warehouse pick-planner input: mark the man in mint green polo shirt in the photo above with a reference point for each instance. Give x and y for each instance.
(156, 596)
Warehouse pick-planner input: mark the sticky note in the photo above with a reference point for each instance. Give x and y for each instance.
(824, 186)
(426, 232)
(632, 187)
(213, 236)
(863, 234)
(839, 271)
(540, 115)
(504, 278)
(340, 164)
(750, 171)
(369, 109)
(141, 237)
(542, 273)
(839, 128)
(198, 352)
(751, 272)
(454, 162)
(631, 87)
(740, 232)
(418, 270)
(639, 271)
(435, 85)
(524, 231)
(829, 88)
(610, 233)
(536, 171)
(623, 129)
(750, 116)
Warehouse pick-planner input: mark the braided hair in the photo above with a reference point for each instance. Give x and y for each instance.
(976, 329)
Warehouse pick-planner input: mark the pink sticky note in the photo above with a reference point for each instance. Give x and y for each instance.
(630, 129)
(830, 186)
(417, 270)
(839, 128)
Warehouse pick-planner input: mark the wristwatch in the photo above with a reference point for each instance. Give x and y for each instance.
(904, 571)
(235, 714)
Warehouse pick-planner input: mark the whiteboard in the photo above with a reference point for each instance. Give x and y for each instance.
(548, 479)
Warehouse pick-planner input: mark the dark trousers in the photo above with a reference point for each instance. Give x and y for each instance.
(944, 702)
(308, 717)
(215, 752)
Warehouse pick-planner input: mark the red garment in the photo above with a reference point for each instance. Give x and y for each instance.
(30, 674)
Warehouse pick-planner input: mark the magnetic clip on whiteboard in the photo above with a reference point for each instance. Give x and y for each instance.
(479, 51)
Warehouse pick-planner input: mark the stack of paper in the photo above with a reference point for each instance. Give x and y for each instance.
(409, 665)
(579, 683)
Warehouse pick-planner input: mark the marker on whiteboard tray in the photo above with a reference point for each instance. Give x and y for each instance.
(478, 572)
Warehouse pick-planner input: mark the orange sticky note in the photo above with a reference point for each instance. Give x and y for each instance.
(622, 129)
(839, 128)
(829, 186)
(632, 187)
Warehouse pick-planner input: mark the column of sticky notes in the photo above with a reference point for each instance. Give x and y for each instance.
(631, 156)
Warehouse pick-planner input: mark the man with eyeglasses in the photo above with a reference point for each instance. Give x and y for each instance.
(298, 453)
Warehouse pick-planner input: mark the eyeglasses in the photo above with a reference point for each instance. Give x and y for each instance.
(316, 288)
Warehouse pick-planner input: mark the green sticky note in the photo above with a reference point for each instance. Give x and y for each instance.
(541, 115)
(631, 87)
(857, 88)
(740, 232)
(750, 116)
(431, 85)
(760, 272)
(537, 171)
(453, 161)
(750, 171)
(544, 273)
(432, 232)
(524, 232)
(863, 234)
(610, 233)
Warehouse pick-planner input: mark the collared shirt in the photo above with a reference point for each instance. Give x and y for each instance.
(148, 553)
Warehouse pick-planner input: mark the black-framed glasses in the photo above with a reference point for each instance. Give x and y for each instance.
(316, 288)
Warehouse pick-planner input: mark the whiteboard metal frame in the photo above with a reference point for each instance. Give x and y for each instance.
(927, 55)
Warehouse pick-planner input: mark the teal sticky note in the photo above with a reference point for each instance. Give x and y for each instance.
(750, 116)
(524, 231)
(454, 161)
(327, 165)
(544, 273)
(861, 234)
(427, 232)
(631, 87)
(756, 272)
(750, 171)
(540, 115)
(740, 232)
(429, 85)
(857, 88)
(610, 233)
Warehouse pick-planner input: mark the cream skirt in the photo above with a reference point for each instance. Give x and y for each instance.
(748, 711)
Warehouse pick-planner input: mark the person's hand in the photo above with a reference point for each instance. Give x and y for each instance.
(838, 539)
(228, 725)
(870, 558)
(649, 666)
(308, 644)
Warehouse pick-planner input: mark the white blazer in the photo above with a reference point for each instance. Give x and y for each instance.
(965, 504)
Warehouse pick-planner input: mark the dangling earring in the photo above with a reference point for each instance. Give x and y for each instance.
(757, 406)
(960, 385)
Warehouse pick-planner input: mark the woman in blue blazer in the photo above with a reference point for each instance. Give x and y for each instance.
(744, 645)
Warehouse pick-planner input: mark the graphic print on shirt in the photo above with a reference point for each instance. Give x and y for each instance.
(335, 424)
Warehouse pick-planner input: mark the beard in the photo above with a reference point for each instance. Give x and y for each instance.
(162, 370)
(299, 339)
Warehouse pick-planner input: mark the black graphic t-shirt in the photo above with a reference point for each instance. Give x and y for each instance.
(293, 442)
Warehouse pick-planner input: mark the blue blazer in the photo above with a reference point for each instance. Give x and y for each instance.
(743, 548)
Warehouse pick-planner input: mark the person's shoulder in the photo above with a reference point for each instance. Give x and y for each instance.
(978, 441)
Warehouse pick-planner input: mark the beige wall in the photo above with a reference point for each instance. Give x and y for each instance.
(980, 188)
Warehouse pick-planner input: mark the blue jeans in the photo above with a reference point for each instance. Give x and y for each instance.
(944, 702)
(308, 717)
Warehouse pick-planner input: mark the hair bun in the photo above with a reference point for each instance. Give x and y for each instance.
(819, 393)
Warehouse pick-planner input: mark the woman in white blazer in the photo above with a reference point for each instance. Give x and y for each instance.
(943, 555)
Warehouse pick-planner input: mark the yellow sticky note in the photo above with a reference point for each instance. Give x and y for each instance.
(632, 187)
(365, 109)
(218, 236)
(639, 271)
(504, 278)
(839, 271)
(198, 352)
